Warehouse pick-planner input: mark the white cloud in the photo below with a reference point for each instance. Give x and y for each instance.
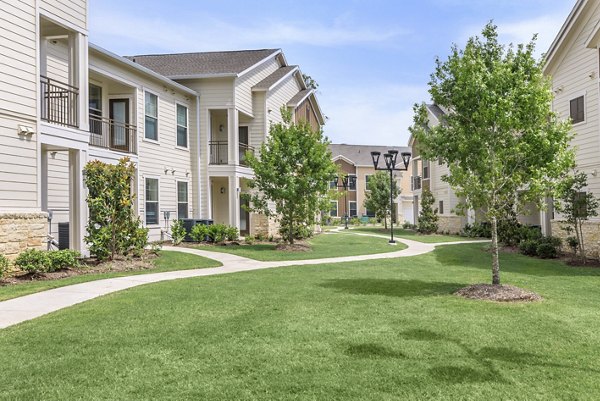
(371, 115)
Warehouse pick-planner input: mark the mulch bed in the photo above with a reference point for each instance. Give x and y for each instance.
(89, 266)
(296, 247)
(498, 293)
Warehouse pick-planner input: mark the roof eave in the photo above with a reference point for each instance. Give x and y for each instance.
(264, 60)
(276, 83)
(204, 76)
(564, 30)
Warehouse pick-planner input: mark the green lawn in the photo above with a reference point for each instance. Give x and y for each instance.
(356, 331)
(413, 235)
(167, 261)
(323, 246)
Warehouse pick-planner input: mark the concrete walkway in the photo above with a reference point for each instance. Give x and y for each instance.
(17, 310)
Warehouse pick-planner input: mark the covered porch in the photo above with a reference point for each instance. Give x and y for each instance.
(228, 203)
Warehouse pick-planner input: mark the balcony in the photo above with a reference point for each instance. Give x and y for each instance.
(219, 151)
(59, 102)
(110, 134)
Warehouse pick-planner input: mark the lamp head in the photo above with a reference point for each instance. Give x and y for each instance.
(405, 159)
(389, 160)
(375, 157)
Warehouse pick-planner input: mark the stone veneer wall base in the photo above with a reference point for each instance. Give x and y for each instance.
(591, 237)
(19, 231)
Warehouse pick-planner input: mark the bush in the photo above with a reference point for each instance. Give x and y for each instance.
(33, 261)
(573, 243)
(199, 233)
(478, 230)
(408, 226)
(177, 232)
(138, 242)
(232, 233)
(249, 239)
(3, 265)
(217, 233)
(63, 259)
(303, 232)
(428, 218)
(509, 231)
(355, 221)
(529, 247)
(530, 233)
(546, 250)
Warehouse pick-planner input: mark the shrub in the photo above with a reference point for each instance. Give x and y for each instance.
(529, 247)
(408, 226)
(428, 218)
(33, 261)
(355, 221)
(573, 243)
(199, 232)
(3, 265)
(138, 242)
(63, 259)
(478, 230)
(155, 247)
(509, 231)
(232, 233)
(217, 232)
(249, 239)
(303, 232)
(531, 233)
(373, 220)
(178, 232)
(546, 250)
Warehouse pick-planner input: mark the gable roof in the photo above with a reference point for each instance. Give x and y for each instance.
(564, 32)
(204, 64)
(276, 77)
(360, 155)
(437, 112)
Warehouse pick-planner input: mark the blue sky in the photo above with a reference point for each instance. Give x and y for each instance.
(372, 59)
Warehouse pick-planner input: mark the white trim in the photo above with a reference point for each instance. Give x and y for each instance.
(145, 138)
(344, 158)
(270, 56)
(299, 102)
(337, 208)
(202, 76)
(355, 207)
(574, 96)
(564, 30)
(66, 24)
(187, 189)
(355, 182)
(276, 83)
(187, 126)
(151, 177)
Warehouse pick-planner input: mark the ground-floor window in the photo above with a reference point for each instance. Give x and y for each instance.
(333, 212)
(182, 200)
(441, 207)
(151, 201)
(352, 209)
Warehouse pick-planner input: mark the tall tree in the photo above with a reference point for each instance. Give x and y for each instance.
(500, 137)
(377, 198)
(428, 218)
(292, 175)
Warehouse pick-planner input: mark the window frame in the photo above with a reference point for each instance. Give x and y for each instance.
(157, 179)
(186, 127)
(149, 92)
(367, 177)
(337, 208)
(355, 182)
(441, 207)
(350, 209)
(426, 167)
(581, 96)
(187, 199)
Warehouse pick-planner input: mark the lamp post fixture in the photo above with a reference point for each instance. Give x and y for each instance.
(346, 182)
(390, 159)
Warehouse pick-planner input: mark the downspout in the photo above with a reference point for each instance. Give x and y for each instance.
(199, 161)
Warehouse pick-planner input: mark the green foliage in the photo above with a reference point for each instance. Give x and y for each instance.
(355, 221)
(409, 226)
(232, 233)
(529, 247)
(177, 232)
(500, 136)
(4, 264)
(292, 174)
(33, 261)
(63, 259)
(576, 205)
(155, 247)
(428, 218)
(573, 243)
(377, 198)
(113, 229)
(250, 239)
(543, 247)
(217, 233)
(199, 232)
(477, 230)
(303, 232)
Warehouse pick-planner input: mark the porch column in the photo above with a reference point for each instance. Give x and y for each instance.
(546, 217)
(78, 211)
(78, 75)
(44, 179)
(233, 136)
(470, 216)
(234, 201)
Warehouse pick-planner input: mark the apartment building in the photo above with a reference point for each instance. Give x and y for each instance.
(355, 161)
(185, 120)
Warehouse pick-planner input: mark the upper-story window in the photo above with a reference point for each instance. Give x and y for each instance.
(367, 178)
(182, 126)
(151, 120)
(577, 109)
(351, 182)
(425, 169)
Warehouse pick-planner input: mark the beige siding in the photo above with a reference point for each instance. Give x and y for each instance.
(72, 11)
(279, 97)
(57, 61)
(243, 86)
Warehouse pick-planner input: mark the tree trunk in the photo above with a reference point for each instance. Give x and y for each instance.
(495, 258)
(579, 233)
(385, 223)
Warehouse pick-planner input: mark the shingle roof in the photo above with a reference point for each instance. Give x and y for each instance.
(361, 154)
(266, 83)
(298, 97)
(207, 63)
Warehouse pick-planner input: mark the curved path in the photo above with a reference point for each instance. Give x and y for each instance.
(17, 310)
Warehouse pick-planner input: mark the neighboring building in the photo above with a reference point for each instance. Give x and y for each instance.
(356, 162)
(185, 120)
(572, 62)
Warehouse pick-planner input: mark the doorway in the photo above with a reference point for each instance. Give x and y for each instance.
(119, 116)
(244, 217)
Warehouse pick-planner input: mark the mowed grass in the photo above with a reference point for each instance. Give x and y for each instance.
(167, 261)
(322, 246)
(413, 235)
(378, 330)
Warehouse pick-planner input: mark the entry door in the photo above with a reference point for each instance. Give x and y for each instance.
(119, 115)
(244, 217)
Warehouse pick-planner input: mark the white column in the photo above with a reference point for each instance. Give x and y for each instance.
(470, 216)
(233, 136)
(546, 217)
(44, 179)
(78, 75)
(78, 211)
(234, 201)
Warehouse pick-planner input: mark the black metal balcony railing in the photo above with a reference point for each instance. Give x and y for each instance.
(110, 134)
(219, 152)
(59, 102)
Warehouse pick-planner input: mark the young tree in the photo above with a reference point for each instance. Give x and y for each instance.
(428, 218)
(292, 174)
(500, 135)
(577, 206)
(377, 198)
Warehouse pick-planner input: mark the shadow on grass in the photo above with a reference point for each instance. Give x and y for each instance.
(480, 258)
(371, 350)
(392, 287)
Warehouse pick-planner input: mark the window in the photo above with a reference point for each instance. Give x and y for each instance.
(440, 161)
(151, 201)
(352, 207)
(369, 213)
(95, 107)
(182, 200)
(333, 183)
(182, 126)
(367, 177)
(425, 169)
(151, 120)
(307, 113)
(580, 204)
(352, 182)
(577, 110)
(441, 207)
(333, 212)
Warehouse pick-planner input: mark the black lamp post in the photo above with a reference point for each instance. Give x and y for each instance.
(346, 182)
(391, 158)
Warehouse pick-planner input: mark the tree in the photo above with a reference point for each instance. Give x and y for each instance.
(499, 137)
(292, 175)
(577, 206)
(378, 197)
(113, 228)
(310, 82)
(428, 218)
